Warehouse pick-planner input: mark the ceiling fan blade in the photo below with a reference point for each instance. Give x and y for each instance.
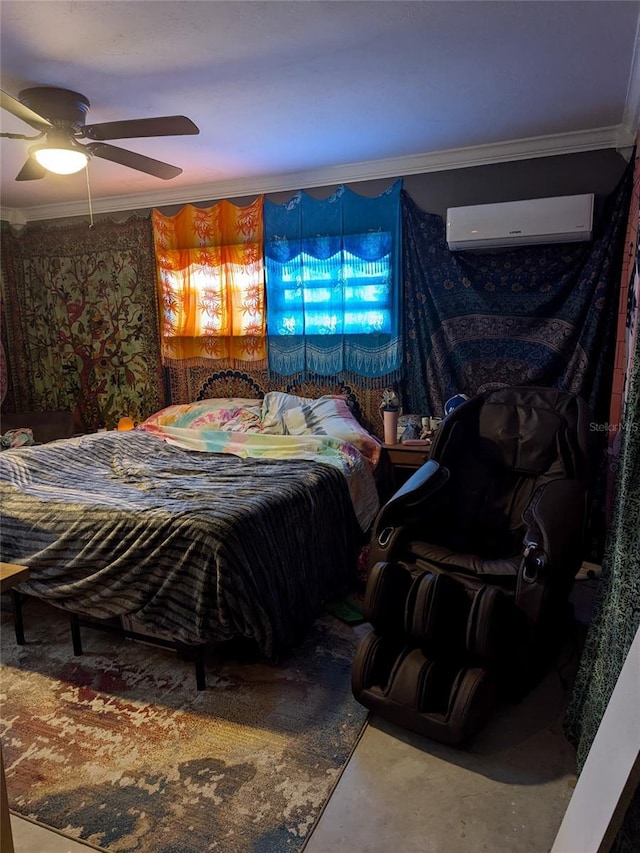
(133, 160)
(17, 108)
(31, 171)
(139, 127)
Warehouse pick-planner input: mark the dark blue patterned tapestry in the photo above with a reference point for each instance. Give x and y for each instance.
(616, 613)
(615, 618)
(541, 315)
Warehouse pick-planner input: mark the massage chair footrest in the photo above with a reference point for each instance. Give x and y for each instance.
(437, 698)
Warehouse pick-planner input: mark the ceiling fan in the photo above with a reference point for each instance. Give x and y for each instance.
(59, 115)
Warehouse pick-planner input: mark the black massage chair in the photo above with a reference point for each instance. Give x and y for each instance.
(472, 562)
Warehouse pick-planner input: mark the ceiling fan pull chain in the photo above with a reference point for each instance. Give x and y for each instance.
(86, 169)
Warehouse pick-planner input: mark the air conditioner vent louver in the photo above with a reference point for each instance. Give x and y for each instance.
(561, 219)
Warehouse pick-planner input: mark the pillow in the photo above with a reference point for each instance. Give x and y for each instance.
(274, 405)
(332, 416)
(202, 414)
(240, 419)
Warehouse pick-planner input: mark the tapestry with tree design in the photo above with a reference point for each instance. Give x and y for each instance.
(81, 320)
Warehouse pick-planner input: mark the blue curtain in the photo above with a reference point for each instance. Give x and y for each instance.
(541, 315)
(333, 286)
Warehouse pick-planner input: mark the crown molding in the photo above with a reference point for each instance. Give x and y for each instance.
(618, 137)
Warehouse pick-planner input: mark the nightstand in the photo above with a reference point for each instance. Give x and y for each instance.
(399, 461)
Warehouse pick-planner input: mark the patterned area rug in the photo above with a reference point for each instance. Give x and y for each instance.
(119, 749)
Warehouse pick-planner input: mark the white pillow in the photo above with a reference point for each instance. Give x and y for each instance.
(332, 416)
(274, 405)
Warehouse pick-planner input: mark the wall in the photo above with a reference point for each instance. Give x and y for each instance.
(568, 174)
(596, 171)
(571, 174)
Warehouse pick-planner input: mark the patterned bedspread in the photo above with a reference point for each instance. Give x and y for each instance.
(200, 546)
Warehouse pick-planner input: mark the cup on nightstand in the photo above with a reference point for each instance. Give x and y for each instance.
(390, 422)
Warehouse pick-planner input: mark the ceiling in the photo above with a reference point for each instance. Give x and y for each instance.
(313, 93)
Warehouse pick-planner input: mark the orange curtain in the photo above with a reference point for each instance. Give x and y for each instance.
(210, 271)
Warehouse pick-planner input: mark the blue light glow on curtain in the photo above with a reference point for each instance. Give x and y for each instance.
(333, 285)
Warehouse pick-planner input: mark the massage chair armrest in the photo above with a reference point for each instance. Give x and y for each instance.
(407, 505)
(555, 520)
(409, 500)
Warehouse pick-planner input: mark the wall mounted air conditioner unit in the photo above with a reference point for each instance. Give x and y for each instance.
(561, 219)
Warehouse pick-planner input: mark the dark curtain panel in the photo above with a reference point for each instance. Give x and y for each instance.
(81, 320)
(616, 614)
(6, 386)
(542, 315)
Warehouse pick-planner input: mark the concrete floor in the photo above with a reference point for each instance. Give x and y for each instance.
(506, 793)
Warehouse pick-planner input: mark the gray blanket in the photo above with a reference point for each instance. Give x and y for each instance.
(199, 546)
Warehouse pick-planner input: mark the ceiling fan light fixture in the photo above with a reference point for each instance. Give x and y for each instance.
(59, 159)
(62, 155)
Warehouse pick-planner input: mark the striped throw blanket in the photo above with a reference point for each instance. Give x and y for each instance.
(199, 545)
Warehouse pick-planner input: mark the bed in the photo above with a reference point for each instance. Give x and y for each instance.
(212, 521)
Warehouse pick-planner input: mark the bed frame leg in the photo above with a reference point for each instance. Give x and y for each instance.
(201, 681)
(18, 624)
(76, 639)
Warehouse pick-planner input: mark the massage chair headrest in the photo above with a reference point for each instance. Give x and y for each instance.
(527, 430)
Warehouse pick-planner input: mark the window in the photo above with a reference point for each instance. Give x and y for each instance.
(341, 295)
(211, 284)
(333, 289)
